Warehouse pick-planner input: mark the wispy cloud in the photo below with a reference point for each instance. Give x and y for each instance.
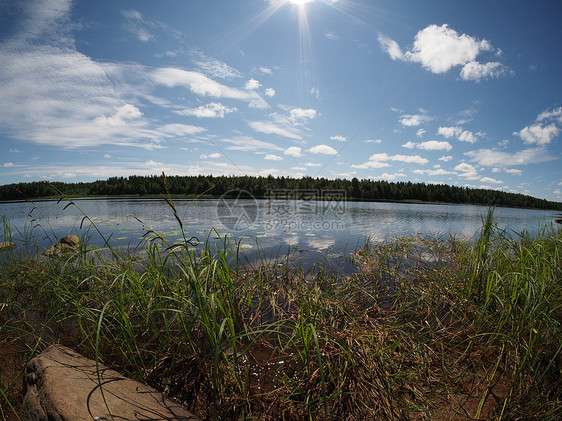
(495, 157)
(459, 133)
(287, 125)
(438, 171)
(339, 138)
(272, 157)
(391, 47)
(211, 110)
(144, 29)
(202, 85)
(247, 143)
(430, 145)
(215, 68)
(412, 120)
(137, 26)
(380, 160)
(269, 127)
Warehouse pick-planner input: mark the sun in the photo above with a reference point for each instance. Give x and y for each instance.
(300, 2)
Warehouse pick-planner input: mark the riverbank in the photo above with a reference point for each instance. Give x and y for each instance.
(425, 329)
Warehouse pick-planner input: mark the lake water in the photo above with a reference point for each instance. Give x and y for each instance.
(315, 227)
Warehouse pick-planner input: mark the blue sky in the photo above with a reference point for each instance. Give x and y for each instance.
(466, 93)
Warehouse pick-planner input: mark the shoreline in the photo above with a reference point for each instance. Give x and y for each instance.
(419, 329)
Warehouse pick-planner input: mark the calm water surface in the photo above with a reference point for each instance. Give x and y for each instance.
(278, 226)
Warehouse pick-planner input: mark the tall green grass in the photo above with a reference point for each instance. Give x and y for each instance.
(425, 328)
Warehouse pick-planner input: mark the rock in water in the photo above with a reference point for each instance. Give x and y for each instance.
(63, 385)
(65, 244)
(7, 245)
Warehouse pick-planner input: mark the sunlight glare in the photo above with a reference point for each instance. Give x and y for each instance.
(300, 2)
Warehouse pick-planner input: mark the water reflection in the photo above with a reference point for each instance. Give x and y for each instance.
(301, 227)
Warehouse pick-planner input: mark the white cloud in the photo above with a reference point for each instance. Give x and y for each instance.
(467, 171)
(379, 160)
(144, 29)
(371, 164)
(252, 85)
(411, 120)
(298, 168)
(434, 145)
(215, 68)
(420, 132)
(331, 35)
(312, 164)
(270, 92)
(212, 156)
(137, 26)
(494, 157)
(246, 143)
(201, 85)
(459, 133)
(391, 47)
(409, 159)
(268, 127)
(430, 145)
(490, 180)
(438, 171)
(272, 157)
(373, 141)
(338, 138)
(315, 92)
(538, 134)
(211, 110)
(294, 151)
(440, 48)
(393, 176)
(303, 114)
(323, 149)
(54, 95)
(176, 129)
(445, 158)
(266, 70)
(503, 143)
(513, 171)
(8, 164)
(555, 114)
(120, 116)
(285, 125)
(478, 71)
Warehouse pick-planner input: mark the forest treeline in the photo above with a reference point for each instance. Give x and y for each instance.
(261, 186)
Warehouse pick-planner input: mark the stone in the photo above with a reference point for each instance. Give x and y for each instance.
(62, 385)
(7, 245)
(69, 243)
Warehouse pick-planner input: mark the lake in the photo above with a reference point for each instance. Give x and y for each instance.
(315, 227)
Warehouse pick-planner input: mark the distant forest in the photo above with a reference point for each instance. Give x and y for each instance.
(259, 187)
